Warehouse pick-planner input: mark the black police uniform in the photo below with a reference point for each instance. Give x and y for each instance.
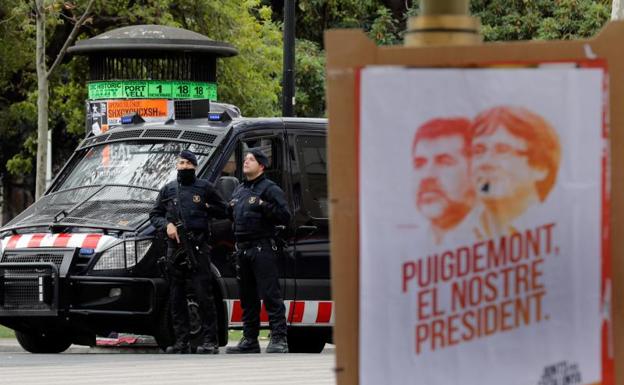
(257, 207)
(197, 203)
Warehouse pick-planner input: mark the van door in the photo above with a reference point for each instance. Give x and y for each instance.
(311, 216)
(272, 143)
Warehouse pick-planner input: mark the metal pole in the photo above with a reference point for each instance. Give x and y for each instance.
(441, 7)
(443, 23)
(288, 82)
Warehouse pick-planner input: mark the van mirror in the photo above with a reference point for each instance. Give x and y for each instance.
(226, 186)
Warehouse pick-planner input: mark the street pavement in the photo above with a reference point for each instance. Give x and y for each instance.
(146, 365)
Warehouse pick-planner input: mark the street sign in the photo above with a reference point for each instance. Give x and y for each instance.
(152, 89)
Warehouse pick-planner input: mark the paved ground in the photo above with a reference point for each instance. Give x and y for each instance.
(79, 365)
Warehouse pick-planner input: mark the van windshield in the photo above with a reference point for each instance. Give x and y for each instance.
(110, 186)
(139, 164)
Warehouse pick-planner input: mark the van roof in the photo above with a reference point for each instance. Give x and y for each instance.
(200, 131)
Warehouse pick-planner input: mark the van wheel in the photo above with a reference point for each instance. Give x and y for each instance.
(306, 340)
(42, 342)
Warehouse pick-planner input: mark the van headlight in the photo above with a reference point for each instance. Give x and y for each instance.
(123, 255)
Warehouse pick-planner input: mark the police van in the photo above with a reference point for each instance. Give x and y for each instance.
(81, 261)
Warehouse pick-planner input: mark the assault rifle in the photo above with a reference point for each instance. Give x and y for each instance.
(190, 246)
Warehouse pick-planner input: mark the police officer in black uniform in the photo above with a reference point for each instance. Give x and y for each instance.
(192, 203)
(258, 205)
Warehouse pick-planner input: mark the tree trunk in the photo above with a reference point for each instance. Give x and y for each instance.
(617, 10)
(42, 102)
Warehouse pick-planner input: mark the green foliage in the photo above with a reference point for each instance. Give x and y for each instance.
(384, 28)
(309, 79)
(540, 19)
(19, 164)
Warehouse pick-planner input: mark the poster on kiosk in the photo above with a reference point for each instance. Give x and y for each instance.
(484, 224)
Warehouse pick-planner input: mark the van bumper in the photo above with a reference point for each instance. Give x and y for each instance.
(35, 289)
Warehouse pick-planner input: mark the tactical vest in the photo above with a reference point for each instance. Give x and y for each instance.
(249, 224)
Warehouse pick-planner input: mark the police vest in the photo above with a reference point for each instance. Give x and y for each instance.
(251, 224)
(191, 205)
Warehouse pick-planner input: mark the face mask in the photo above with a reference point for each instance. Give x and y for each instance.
(186, 176)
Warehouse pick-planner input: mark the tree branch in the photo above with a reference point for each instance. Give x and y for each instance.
(70, 38)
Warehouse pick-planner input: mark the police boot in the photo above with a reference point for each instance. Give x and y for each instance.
(179, 348)
(208, 347)
(277, 344)
(246, 345)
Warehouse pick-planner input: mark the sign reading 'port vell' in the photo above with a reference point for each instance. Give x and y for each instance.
(158, 72)
(154, 89)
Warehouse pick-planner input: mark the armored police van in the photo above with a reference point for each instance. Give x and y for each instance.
(81, 261)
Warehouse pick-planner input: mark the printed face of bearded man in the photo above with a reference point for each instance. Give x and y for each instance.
(441, 161)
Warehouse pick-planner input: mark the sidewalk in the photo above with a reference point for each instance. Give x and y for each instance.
(80, 367)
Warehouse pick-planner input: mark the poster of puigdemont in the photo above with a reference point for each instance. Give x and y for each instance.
(484, 225)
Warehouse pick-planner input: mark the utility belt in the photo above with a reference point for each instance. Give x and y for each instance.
(259, 243)
(196, 237)
(178, 261)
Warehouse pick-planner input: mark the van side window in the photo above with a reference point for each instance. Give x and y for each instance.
(230, 166)
(272, 148)
(313, 164)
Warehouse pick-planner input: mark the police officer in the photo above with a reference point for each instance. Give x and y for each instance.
(258, 205)
(190, 202)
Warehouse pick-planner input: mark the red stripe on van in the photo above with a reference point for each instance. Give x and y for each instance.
(36, 239)
(62, 240)
(264, 316)
(13, 241)
(237, 312)
(297, 308)
(324, 312)
(91, 241)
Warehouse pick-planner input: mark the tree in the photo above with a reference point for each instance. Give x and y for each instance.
(43, 77)
(617, 10)
(540, 19)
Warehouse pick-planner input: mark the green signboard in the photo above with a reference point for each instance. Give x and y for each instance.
(152, 89)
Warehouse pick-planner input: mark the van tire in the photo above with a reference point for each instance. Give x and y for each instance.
(306, 340)
(42, 342)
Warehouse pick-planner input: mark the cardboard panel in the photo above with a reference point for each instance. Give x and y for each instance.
(348, 50)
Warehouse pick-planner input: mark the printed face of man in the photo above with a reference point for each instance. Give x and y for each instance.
(501, 167)
(442, 173)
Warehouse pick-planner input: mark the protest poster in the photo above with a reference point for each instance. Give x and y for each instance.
(351, 59)
(483, 229)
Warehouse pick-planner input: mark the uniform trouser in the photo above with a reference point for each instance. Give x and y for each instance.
(258, 279)
(200, 281)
